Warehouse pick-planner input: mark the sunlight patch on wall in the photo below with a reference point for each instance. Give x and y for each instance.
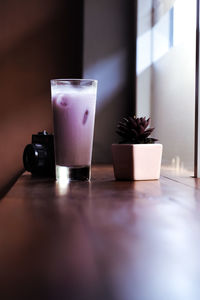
(170, 31)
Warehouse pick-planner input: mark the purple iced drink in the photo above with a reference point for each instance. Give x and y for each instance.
(74, 113)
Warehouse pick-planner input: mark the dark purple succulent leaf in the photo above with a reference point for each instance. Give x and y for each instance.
(141, 129)
(138, 121)
(134, 130)
(150, 130)
(135, 133)
(123, 130)
(146, 124)
(143, 122)
(148, 121)
(122, 127)
(121, 124)
(153, 139)
(129, 119)
(150, 141)
(121, 133)
(145, 134)
(125, 120)
(134, 123)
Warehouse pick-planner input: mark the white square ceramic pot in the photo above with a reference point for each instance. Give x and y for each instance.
(137, 161)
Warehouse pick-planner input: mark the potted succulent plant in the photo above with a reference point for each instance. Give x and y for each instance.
(136, 157)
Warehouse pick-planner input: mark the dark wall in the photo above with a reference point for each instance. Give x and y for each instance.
(39, 40)
(109, 57)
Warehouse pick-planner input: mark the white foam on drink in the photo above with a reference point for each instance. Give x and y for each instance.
(70, 90)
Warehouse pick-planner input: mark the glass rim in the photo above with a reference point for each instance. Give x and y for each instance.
(73, 79)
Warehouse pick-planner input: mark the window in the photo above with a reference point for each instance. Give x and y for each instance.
(166, 52)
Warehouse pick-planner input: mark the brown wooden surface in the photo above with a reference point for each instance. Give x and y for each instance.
(100, 240)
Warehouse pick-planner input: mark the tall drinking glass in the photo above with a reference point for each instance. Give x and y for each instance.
(73, 103)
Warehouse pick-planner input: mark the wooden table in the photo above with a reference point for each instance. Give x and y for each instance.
(103, 240)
